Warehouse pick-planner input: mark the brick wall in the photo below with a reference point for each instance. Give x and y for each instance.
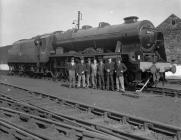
(171, 29)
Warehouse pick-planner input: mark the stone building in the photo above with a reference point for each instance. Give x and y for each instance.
(4, 57)
(171, 28)
(4, 54)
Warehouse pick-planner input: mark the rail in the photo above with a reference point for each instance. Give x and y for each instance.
(7, 102)
(10, 131)
(139, 127)
(46, 128)
(164, 91)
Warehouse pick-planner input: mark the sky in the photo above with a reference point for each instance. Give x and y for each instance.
(20, 19)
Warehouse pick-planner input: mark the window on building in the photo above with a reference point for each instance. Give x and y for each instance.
(173, 22)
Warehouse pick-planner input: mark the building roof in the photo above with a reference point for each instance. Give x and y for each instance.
(173, 22)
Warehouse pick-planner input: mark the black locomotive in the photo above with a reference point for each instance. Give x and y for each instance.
(139, 44)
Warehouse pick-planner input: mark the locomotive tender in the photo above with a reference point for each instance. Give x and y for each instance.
(139, 44)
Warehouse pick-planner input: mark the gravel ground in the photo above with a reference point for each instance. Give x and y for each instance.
(157, 108)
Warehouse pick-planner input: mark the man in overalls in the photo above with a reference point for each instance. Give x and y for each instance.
(94, 73)
(88, 72)
(71, 70)
(100, 72)
(109, 67)
(120, 69)
(81, 69)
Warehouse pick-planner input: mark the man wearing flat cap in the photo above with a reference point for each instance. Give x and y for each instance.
(109, 67)
(71, 70)
(81, 69)
(100, 71)
(94, 73)
(88, 72)
(120, 69)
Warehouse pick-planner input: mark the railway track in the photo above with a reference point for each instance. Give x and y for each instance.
(47, 129)
(7, 102)
(11, 132)
(164, 91)
(119, 125)
(174, 81)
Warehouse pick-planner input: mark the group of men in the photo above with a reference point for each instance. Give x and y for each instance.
(92, 74)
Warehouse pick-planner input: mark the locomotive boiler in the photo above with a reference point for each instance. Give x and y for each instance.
(139, 44)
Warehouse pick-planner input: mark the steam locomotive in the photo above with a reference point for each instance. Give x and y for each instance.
(139, 44)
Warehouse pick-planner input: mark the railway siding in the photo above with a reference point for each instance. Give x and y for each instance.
(123, 118)
(45, 128)
(5, 101)
(9, 131)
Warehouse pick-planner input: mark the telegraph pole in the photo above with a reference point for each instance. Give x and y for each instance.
(78, 20)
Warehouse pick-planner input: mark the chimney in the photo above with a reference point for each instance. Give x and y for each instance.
(131, 19)
(103, 24)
